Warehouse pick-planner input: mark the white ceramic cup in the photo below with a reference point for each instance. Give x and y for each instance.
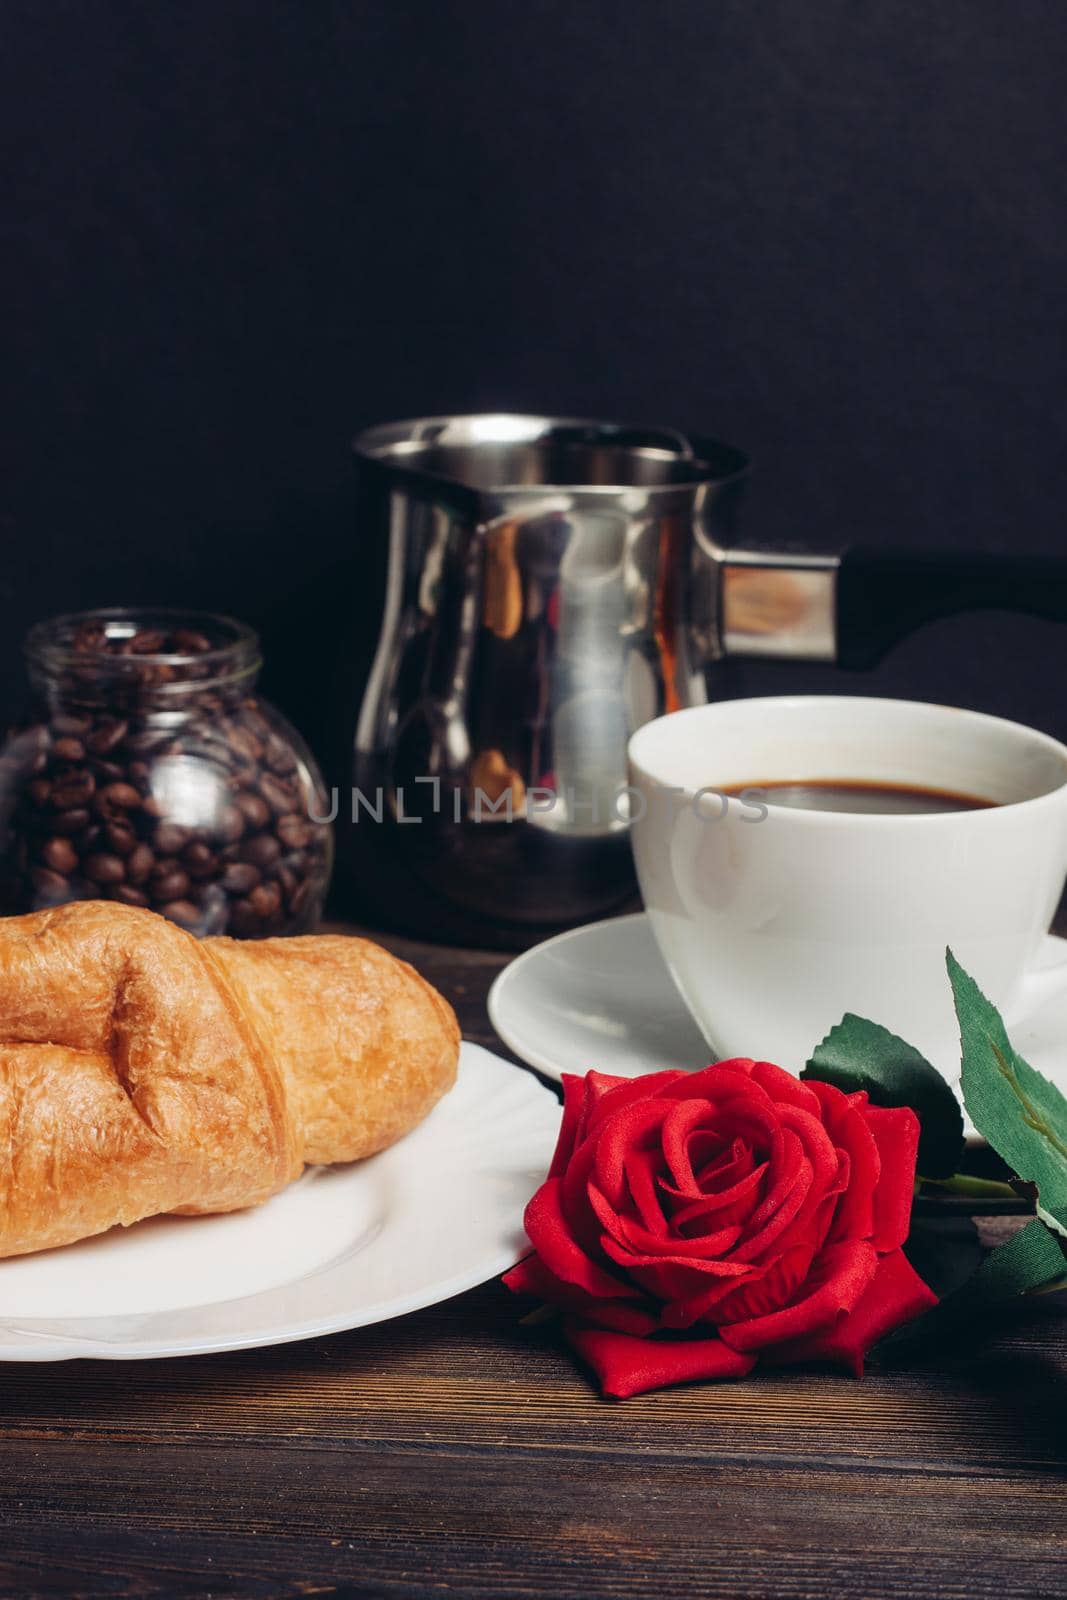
(774, 928)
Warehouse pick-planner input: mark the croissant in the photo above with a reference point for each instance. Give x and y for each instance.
(143, 1071)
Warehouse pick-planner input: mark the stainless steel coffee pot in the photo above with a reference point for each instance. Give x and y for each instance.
(553, 584)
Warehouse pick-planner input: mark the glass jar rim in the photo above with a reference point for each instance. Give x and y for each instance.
(51, 652)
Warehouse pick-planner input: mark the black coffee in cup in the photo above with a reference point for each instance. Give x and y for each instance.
(843, 794)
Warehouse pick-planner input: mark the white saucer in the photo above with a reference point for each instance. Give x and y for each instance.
(345, 1246)
(601, 996)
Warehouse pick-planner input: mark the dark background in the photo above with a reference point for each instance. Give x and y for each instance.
(831, 232)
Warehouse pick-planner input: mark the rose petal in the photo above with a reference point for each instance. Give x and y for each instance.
(532, 1277)
(786, 1165)
(895, 1294)
(818, 1145)
(896, 1133)
(630, 1259)
(753, 1129)
(783, 1087)
(729, 1200)
(717, 1076)
(841, 1276)
(626, 1366)
(806, 1232)
(628, 1236)
(639, 1167)
(689, 1308)
(554, 1241)
(844, 1116)
(683, 1117)
(607, 1095)
(630, 1133)
(574, 1090)
(699, 1247)
(676, 1282)
(707, 1154)
(761, 1291)
(791, 1200)
(574, 1199)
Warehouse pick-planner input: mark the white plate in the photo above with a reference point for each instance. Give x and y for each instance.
(345, 1246)
(602, 997)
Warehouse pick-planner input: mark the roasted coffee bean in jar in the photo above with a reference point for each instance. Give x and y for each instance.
(154, 775)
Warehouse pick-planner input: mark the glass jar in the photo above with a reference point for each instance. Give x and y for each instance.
(153, 775)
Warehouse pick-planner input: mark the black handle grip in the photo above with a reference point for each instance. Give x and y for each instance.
(884, 595)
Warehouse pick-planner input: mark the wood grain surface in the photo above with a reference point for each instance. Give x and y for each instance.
(457, 1452)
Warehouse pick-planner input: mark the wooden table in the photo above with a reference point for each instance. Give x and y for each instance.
(455, 1452)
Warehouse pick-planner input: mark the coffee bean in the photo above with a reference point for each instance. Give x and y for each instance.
(107, 736)
(106, 772)
(90, 636)
(262, 851)
(169, 839)
(229, 825)
(51, 886)
(122, 795)
(67, 725)
(240, 877)
(147, 642)
(139, 773)
(171, 885)
(294, 832)
(187, 642)
(182, 912)
(39, 791)
(244, 775)
(253, 720)
(301, 862)
(278, 756)
(139, 864)
(72, 821)
(299, 897)
(120, 837)
(244, 922)
(199, 860)
(72, 789)
(254, 810)
(60, 855)
(266, 900)
(68, 750)
(103, 868)
(146, 740)
(128, 895)
(244, 742)
(279, 794)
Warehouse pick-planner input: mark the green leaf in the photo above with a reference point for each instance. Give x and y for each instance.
(1019, 1111)
(945, 1251)
(1057, 1286)
(858, 1054)
(1028, 1261)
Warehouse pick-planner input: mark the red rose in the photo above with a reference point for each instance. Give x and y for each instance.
(694, 1224)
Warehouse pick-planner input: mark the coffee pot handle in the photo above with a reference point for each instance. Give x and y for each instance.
(884, 595)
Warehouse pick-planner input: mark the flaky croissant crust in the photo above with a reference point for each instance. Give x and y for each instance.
(142, 1071)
